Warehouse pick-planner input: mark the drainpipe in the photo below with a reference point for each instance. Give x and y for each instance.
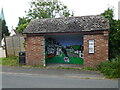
(44, 52)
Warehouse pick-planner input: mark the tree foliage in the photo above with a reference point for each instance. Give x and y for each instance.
(23, 22)
(43, 9)
(5, 30)
(114, 33)
(115, 40)
(47, 9)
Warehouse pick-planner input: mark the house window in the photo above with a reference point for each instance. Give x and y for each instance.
(91, 46)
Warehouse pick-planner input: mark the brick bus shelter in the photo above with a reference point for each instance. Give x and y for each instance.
(69, 40)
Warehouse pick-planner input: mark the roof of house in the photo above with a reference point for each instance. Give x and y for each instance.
(67, 24)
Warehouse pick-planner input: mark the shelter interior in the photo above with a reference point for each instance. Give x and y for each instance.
(66, 49)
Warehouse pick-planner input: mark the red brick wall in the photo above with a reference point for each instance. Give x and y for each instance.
(35, 50)
(100, 49)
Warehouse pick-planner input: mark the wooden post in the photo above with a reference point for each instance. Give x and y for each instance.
(5, 45)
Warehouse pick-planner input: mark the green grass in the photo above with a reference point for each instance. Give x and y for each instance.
(14, 61)
(39, 66)
(111, 69)
(80, 69)
(9, 61)
(90, 69)
(68, 68)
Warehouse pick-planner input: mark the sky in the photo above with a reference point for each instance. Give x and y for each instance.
(16, 8)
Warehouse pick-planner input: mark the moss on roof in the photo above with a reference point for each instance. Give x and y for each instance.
(67, 24)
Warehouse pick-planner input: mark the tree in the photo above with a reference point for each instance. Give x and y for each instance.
(43, 9)
(116, 39)
(22, 27)
(4, 29)
(23, 22)
(48, 9)
(0, 31)
(114, 33)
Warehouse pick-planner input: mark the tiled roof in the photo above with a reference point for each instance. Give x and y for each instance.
(68, 24)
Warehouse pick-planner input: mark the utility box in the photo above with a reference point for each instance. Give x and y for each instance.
(22, 59)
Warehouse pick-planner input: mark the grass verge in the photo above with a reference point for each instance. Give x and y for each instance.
(14, 61)
(110, 69)
(9, 61)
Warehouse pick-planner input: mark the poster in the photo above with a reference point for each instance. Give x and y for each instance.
(91, 46)
(64, 49)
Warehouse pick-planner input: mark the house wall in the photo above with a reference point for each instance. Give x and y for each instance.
(35, 50)
(100, 49)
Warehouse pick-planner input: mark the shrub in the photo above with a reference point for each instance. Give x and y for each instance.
(110, 68)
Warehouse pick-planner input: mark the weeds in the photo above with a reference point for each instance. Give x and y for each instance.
(111, 69)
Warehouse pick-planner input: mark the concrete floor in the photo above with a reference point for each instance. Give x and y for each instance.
(65, 65)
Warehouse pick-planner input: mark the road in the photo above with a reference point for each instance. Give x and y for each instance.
(27, 80)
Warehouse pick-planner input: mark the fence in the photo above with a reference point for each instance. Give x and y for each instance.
(14, 44)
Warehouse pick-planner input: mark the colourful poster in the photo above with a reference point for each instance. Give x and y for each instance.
(64, 49)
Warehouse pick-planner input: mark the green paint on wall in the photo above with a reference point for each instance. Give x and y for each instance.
(72, 60)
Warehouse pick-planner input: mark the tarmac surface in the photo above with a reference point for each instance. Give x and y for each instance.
(28, 77)
(49, 71)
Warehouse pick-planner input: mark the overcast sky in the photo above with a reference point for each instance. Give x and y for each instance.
(16, 8)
